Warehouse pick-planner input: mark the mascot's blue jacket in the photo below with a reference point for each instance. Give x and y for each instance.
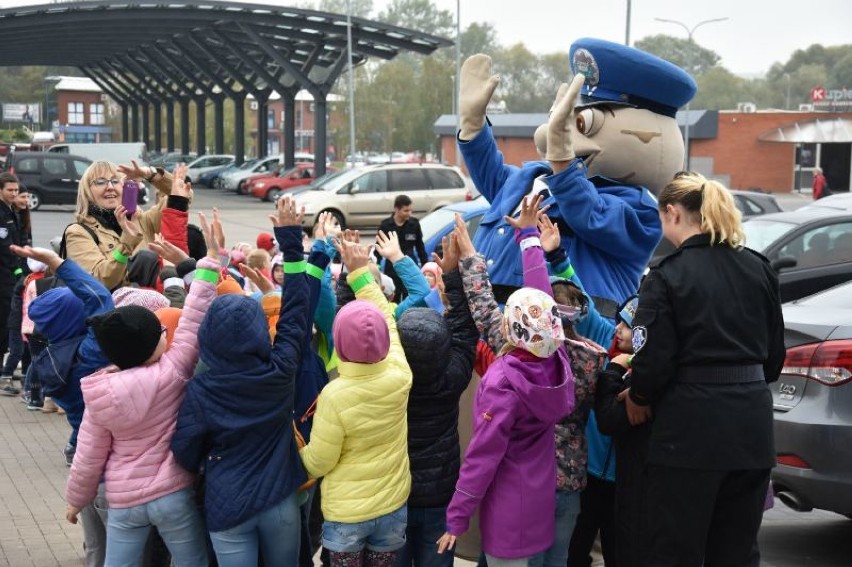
(609, 230)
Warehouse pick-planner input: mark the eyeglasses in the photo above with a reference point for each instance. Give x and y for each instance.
(572, 313)
(102, 182)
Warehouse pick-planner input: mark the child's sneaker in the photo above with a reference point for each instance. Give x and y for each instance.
(35, 405)
(7, 388)
(24, 398)
(49, 406)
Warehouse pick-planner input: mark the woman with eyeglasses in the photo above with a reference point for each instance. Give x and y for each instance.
(103, 236)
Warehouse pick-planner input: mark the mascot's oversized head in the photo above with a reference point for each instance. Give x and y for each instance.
(625, 115)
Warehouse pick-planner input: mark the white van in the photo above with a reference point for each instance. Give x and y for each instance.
(117, 153)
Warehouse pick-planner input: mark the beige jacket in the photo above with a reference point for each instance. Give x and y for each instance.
(98, 259)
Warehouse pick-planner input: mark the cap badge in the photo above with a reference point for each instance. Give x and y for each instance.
(585, 64)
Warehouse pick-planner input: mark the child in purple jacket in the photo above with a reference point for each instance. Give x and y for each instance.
(509, 468)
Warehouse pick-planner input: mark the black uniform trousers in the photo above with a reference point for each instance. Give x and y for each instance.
(6, 293)
(700, 517)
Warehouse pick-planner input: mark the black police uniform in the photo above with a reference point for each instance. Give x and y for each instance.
(708, 336)
(11, 268)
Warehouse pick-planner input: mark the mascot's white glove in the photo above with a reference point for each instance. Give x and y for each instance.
(561, 124)
(476, 86)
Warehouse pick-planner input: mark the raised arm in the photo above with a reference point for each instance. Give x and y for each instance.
(387, 244)
(527, 237)
(295, 323)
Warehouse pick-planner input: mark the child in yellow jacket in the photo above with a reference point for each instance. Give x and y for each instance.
(359, 442)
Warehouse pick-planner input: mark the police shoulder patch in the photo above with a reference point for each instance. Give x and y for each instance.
(640, 337)
(4, 232)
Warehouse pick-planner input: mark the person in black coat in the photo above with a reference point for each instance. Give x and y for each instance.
(708, 336)
(630, 442)
(440, 351)
(11, 266)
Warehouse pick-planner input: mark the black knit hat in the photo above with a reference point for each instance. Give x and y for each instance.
(127, 335)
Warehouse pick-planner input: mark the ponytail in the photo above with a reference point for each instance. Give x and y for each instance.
(711, 202)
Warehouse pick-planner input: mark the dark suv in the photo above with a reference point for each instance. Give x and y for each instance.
(52, 178)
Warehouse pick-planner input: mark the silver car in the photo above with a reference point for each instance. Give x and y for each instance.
(235, 180)
(813, 404)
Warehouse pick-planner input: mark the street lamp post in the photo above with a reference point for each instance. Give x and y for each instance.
(458, 75)
(689, 33)
(351, 80)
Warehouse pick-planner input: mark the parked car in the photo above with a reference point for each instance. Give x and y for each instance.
(440, 223)
(813, 404)
(270, 186)
(235, 180)
(363, 197)
(170, 160)
(206, 163)
(53, 178)
(811, 249)
(217, 180)
(208, 178)
(754, 203)
(837, 202)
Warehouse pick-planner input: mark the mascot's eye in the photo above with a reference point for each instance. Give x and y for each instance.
(589, 121)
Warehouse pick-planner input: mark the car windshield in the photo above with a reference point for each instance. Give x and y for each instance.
(760, 233)
(837, 297)
(249, 164)
(432, 223)
(334, 181)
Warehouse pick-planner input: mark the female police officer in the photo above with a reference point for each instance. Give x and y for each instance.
(708, 335)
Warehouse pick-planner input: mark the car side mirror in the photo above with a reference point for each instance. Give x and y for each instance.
(783, 262)
(354, 189)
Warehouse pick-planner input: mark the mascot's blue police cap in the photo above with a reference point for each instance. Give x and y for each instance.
(628, 76)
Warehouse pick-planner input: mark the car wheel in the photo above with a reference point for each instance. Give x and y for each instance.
(34, 199)
(339, 217)
(273, 194)
(241, 188)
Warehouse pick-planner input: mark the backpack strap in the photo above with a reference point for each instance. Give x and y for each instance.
(63, 250)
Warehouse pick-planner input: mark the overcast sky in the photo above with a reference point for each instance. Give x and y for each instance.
(757, 34)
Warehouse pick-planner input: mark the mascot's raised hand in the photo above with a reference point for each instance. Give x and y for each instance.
(560, 126)
(476, 86)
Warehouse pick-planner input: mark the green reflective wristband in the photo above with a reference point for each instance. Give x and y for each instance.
(207, 275)
(315, 271)
(569, 272)
(295, 267)
(18, 272)
(361, 281)
(119, 257)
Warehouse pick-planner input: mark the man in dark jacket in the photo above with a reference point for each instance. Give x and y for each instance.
(11, 266)
(440, 351)
(410, 237)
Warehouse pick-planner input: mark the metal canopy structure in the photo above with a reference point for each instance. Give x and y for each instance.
(150, 55)
(817, 131)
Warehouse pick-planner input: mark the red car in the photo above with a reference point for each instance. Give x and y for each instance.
(269, 186)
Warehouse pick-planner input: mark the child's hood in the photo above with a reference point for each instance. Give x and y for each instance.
(545, 387)
(234, 335)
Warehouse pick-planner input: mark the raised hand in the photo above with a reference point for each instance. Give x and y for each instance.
(128, 225)
(550, 237)
(287, 213)
(476, 87)
(209, 238)
(319, 227)
(263, 284)
(450, 261)
(134, 170)
(465, 244)
(560, 127)
(48, 257)
(166, 250)
(354, 255)
(178, 184)
(388, 246)
(530, 210)
(352, 236)
(218, 231)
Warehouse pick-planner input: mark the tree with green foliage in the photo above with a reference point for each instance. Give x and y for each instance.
(684, 53)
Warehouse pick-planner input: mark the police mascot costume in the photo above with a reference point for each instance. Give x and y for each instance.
(611, 142)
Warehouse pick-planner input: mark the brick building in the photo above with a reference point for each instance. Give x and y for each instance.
(771, 150)
(81, 110)
(304, 122)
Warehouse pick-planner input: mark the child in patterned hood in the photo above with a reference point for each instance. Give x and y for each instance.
(509, 468)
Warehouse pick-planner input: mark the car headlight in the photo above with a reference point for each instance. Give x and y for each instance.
(259, 184)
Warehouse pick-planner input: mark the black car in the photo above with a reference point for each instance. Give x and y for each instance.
(52, 178)
(810, 248)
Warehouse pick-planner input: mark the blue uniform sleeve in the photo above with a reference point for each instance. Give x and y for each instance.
(95, 296)
(606, 220)
(485, 163)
